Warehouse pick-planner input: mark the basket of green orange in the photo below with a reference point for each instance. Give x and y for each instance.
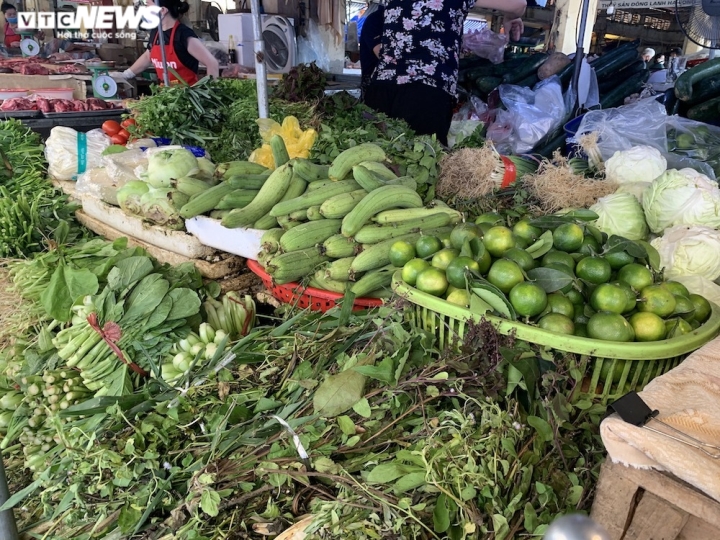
(560, 283)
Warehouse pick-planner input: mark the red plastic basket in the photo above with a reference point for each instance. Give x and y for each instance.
(306, 297)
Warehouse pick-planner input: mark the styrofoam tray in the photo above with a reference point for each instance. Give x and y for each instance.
(241, 242)
(176, 241)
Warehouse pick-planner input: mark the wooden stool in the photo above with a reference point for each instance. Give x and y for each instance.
(639, 504)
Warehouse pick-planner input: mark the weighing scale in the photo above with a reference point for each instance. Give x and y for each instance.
(103, 85)
(28, 45)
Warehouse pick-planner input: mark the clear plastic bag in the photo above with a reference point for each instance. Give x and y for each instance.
(460, 129)
(486, 44)
(312, 48)
(622, 128)
(500, 131)
(95, 183)
(121, 167)
(473, 109)
(70, 153)
(695, 142)
(534, 113)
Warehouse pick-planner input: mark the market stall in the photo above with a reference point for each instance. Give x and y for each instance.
(424, 340)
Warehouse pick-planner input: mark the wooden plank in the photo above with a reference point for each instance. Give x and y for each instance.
(222, 268)
(697, 529)
(656, 519)
(683, 495)
(615, 500)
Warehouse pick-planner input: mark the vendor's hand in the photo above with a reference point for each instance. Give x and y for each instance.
(514, 29)
(15, 45)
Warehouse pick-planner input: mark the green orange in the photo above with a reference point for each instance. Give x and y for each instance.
(432, 281)
(610, 327)
(568, 237)
(456, 271)
(595, 270)
(498, 240)
(554, 322)
(505, 274)
(528, 299)
(427, 246)
(411, 270)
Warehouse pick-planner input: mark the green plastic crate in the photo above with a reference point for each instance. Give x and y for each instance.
(642, 361)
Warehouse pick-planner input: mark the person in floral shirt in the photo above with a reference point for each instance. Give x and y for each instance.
(417, 73)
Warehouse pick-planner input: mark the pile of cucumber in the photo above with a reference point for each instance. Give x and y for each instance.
(337, 233)
(620, 73)
(698, 92)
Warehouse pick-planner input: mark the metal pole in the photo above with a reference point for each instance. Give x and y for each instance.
(580, 52)
(8, 528)
(161, 37)
(260, 68)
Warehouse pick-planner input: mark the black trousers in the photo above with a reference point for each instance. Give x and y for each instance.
(426, 109)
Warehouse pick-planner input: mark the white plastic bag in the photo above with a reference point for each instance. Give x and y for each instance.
(534, 112)
(70, 153)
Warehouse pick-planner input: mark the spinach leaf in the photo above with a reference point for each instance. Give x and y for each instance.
(66, 286)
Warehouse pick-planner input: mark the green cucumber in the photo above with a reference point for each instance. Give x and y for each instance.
(616, 64)
(705, 112)
(686, 81)
(706, 89)
(529, 67)
(487, 84)
(616, 96)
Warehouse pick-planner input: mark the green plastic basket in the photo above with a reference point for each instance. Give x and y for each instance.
(641, 362)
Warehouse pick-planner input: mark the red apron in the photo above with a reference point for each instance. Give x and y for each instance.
(185, 73)
(10, 37)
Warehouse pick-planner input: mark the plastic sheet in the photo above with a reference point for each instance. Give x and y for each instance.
(312, 48)
(532, 114)
(622, 128)
(486, 44)
(70, 153)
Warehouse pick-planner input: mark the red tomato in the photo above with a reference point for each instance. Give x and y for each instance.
(111, 127)
(128, 122)
(118, 139)
(124, 133)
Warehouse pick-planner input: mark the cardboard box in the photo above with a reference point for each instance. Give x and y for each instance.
(112, 52)
(13, 80)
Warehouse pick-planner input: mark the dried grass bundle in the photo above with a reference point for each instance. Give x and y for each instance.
(15, 313)
(468, 173)
(556, 186)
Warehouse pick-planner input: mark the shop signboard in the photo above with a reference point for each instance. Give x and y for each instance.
(626, 5)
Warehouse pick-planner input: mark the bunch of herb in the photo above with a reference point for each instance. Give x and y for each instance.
(345, 122)
(30, 207)
(402, 442)
(22, 163)
(191, 115)
(305, 82)
(240, 135)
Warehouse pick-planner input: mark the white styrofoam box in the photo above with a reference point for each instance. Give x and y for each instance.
(246, 54)
(176, 241)
(241, 242)
(237, 25)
